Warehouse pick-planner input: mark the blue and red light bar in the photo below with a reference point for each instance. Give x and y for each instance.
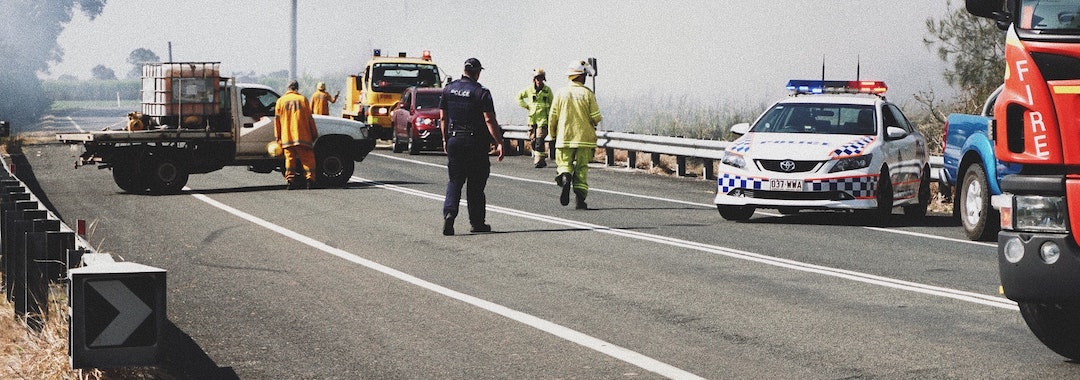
(836, 87)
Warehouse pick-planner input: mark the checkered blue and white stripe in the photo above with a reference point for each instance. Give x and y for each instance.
(728, 182)
(854, 147)
(859, 187)
(862, 187)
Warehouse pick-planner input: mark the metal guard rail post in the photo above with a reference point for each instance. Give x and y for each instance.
(682, 148)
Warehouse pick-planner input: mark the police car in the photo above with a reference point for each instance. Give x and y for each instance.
(830, 145)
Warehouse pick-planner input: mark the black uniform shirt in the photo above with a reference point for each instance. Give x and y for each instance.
(464, 101)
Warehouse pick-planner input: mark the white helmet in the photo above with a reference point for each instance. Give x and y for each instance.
(578, 68)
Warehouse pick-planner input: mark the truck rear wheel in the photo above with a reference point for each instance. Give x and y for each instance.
(980, 221)
(127, 177)
(333, 165)
(164, 175)
(1057, 326)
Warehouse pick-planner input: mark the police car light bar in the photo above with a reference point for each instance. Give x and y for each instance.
(426, 55)
(836, 87)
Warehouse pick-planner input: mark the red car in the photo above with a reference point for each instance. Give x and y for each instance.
(416, 121)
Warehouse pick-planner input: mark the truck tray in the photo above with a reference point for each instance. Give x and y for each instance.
(153, 135)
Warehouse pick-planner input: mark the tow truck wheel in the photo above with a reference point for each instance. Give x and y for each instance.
(980, 221)
(918, 210)
(884, 195)
(164, 175)
(1057, 326)
(735, 212)
(333, 165)
(128, 179)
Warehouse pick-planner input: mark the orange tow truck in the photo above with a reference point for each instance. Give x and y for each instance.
(370, 96)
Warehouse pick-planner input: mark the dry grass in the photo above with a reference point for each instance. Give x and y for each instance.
(26, 354)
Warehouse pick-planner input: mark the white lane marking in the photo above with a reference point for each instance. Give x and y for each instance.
(961, 295)
(552, 328)
(77, 126)
(703, 205)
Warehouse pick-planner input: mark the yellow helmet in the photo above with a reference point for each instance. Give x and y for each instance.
(273, 148)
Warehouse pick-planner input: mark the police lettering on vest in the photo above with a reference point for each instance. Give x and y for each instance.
(465, 102)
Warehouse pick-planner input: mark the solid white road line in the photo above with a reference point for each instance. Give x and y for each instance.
(702, 205)
(560, 331)
(977, 298)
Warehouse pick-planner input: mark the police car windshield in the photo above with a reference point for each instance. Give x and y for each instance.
(1050, 16)
(832, 119)
(396, 77)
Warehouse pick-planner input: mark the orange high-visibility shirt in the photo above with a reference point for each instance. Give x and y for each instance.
(294, 125)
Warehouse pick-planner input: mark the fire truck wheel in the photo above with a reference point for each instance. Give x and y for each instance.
(1057, 326)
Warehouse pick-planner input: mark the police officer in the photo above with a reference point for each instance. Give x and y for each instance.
(467, 117)
(537, 100)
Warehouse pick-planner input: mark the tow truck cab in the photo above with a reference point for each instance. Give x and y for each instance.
(370, 96)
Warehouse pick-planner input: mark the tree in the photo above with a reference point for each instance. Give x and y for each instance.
(28, 32)
(974, 48)
(137, 58)
(101, 72)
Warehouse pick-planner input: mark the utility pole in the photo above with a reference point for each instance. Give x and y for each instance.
(292, 43)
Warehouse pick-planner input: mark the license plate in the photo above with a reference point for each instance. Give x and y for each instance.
(786, 184)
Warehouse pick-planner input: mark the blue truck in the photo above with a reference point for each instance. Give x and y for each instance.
(971, 170)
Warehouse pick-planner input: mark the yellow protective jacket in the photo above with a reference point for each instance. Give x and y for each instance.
(537, 102)
(294, 125)
(320, 102)
(573, 118)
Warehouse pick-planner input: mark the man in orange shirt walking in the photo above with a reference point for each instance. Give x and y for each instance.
(295, 130)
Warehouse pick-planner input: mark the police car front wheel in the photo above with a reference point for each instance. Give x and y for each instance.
(735, 212)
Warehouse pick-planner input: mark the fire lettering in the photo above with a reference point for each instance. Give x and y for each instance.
(1039, 139)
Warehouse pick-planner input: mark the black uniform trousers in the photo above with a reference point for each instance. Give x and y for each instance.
(468, 165)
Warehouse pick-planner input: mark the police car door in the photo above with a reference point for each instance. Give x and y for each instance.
(905, 167)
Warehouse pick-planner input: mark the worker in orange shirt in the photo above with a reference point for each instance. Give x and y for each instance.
(295, 130)
(320, 100)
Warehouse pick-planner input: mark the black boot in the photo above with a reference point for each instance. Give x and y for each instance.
(563, 180)
(579, 197)
(448, 225)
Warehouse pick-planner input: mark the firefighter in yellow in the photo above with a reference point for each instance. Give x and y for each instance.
(537, 100)
(572, 125)
(320, 100)
(295, 129)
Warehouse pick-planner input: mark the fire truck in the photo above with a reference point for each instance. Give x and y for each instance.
(1036, 117)
(370, 96)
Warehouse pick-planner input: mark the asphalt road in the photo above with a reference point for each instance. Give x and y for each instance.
(650, 282)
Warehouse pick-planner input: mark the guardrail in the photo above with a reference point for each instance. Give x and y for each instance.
(116, 309)
(708, 151)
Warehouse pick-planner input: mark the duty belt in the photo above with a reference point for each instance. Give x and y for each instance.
(460, 132)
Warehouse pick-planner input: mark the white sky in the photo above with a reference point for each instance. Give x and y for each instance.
(732, 51)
